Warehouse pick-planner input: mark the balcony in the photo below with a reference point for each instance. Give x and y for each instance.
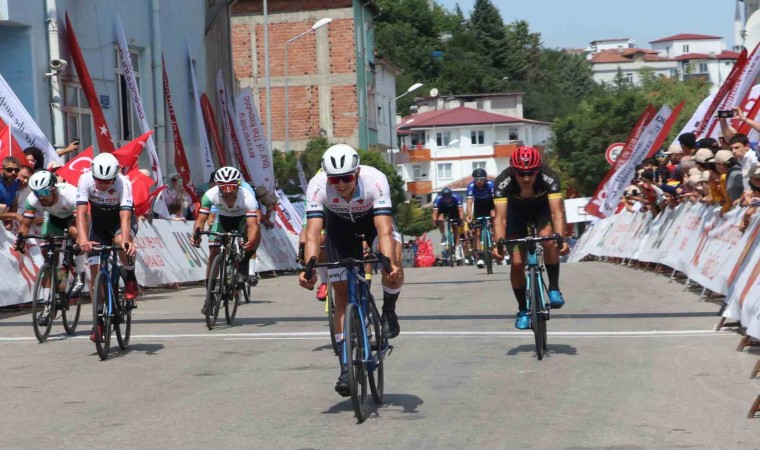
(419, 187)
(503, 150)
(417, 154)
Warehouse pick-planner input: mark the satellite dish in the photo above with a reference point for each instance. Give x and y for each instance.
(434, 92)
(589, 57)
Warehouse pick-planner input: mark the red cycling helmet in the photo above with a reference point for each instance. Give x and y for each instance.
(525, 158)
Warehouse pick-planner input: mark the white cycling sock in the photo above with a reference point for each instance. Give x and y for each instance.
(79, 262)
(322, 273)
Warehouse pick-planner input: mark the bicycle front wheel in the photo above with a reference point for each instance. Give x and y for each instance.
(234, 296)
(357, 367)
(100, 318)
(72, 307)
(331, 317)
(123, 325)
(43, 302)
(536, 316)
(214, 291)
(377, 346)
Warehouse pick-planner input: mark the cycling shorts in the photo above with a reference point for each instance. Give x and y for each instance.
(57, 225)
(482, 208)
(226, 224)
(521, 213)
(104, 230)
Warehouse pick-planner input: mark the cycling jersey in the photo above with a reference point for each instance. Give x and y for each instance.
(108, 203)
(65, 206)
(480, 193)
(245, 203)
(372, 197)
(452, 202)
(546, 186)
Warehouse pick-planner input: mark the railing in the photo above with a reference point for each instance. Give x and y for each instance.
(419, 187)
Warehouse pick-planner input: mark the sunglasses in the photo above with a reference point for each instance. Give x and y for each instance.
(525, 173)
(98, 180)
(46, 192)
(344, 178)
(228, 188)
(12, 169)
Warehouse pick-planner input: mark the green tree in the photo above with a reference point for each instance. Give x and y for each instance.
(413, 220)
(286, 172)
(375, 159)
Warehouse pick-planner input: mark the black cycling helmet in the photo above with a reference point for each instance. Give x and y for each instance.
(446, 192)
(479, 173)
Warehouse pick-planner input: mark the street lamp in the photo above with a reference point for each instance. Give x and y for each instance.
(411, 89)
(319, 23)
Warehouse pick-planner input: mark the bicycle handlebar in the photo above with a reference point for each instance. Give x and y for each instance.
(530, 239)
(52, 238)
(347, 262)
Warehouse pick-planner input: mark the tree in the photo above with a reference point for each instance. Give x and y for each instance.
(487, 27)
(375, 159)
(413, 220)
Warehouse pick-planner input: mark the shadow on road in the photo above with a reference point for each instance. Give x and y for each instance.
(148, 349)
(551, 349)
(407, 402)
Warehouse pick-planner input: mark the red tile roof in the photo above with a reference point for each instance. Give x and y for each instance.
(461, 184)
(685, 37)
(725, 54)
(626, 55)
(458, 116)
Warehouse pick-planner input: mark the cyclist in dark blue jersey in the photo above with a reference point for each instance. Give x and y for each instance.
(448, 205)
(479, 204)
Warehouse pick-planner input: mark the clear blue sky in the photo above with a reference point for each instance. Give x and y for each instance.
(575, 23)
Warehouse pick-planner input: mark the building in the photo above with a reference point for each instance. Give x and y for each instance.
(32, 34)
(601, 45)
(448, 137)
(335, 86)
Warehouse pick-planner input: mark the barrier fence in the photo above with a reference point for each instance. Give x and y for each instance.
(693, 239)
(164, 256)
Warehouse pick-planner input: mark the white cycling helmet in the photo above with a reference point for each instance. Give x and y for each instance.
(340, 159)
(227, 174)
(41, 179)
(105, 166)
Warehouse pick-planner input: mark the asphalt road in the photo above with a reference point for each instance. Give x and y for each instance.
(632, 364)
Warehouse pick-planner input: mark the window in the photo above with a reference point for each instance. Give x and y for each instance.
(78, 117)
(477, 137)
(702, 67)
(674, 73)
(129, 122)
(444, 171)
(418, 139)
(513, 134)
(442, 139)
(478, 165)
(686, 48)
(629, 78)
(416, 173)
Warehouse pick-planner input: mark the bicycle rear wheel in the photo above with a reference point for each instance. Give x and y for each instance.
(331, 317)
(488, 259)
(43, 302)
(357, 367)
(536, 316)
(214, 291)
(122, 326)
(100, 318)
(72, 307)
(376, 346)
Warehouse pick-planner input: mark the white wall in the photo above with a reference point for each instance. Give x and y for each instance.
(672, 49)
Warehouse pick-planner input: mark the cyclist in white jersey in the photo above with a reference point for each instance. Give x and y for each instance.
(236, 210)
(57, 203)
(352, 203)
(108, 194)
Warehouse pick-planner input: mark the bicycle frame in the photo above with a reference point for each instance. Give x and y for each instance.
(109, 264)
(358, 294)
(485, 233)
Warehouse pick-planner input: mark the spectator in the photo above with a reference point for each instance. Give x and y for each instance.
(9, 185)
(35, 158)
(709, 144)
(751, 198)
(72, 147)
(727, 165)
(175, 194)
(23, 188)
(269, 201)
(651, 193)
(740, 148)
(175, 212)
(632, 198)
(688, 143)
(675, 153)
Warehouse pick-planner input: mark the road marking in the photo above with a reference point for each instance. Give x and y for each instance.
(312, 335)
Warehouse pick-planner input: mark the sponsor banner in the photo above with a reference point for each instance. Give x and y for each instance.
(250, 134)
(206, 159)
(708, 120)
(696, 119)
(25, 130)
(228, 119)
(19, 269)
(277, 249)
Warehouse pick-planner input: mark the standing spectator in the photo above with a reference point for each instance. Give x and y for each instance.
(35, 158)
(23, 188)
(175, 193)
(726, 165)
(751, 198)
(8, 190)
(688, 143)
(740, 148)
(675, 153)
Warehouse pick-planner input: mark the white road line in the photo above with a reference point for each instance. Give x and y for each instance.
(309, 335)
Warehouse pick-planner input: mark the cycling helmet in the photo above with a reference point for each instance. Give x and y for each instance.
(660, 154)
(479, 173)
(340, 159)
(227, 175)
(105, 166)
(445, 192)
(525, 158)
(41, 179)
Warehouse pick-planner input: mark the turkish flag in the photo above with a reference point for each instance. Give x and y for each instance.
(141, 195)
(103, 135)
(129, 154)
(76, 167)
(9, 146)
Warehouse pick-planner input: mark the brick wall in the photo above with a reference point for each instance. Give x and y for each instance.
(242, 7)
(241, 51)
(345, 115)
(342, 48)
(301, 53)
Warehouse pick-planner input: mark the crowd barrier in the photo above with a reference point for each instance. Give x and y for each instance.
(693, 239)
(165, 256)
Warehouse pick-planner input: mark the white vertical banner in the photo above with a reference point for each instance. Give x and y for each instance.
(253, 141)
(623, 177)
(696, 118)
(125, 63)
(208, 162)
(302, 176)
(25, 130)
(224, 100)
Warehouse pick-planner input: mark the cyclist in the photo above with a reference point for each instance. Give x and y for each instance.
(108, 195)
(528, 192)
(353, 204)
(479, 204)
(448, 205)
(57, 202)
(236, 210)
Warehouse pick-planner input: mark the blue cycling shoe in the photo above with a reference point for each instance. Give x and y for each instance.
(555, 300)
(523, 320)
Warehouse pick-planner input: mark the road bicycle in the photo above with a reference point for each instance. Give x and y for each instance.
(536, 293)
(451, 247)
(486, 242)
(364, 346)
(221, 285)
(109, 306)
(47, 301)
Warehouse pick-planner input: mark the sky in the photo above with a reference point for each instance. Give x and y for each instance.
(575, 23)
